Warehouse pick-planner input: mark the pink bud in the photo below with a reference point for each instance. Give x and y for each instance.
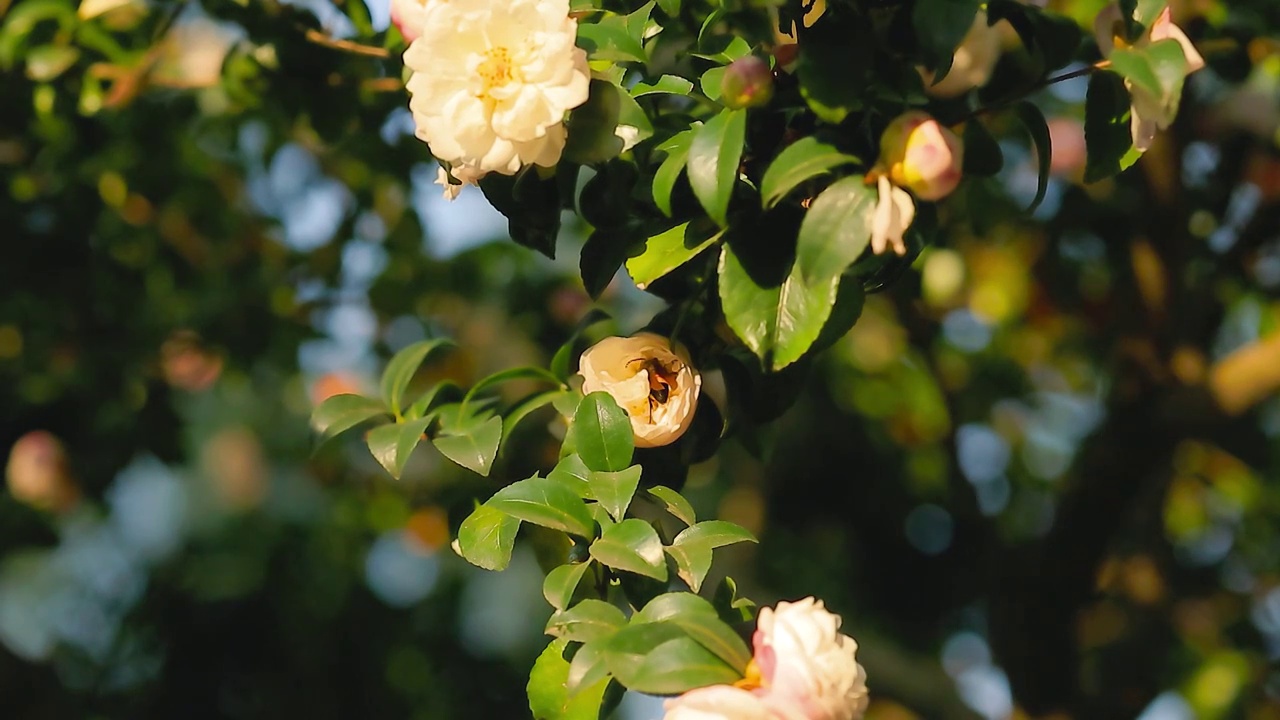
(919, 154)
(39, 473)
(748, 82)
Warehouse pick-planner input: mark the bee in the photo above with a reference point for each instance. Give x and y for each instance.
(661, 379)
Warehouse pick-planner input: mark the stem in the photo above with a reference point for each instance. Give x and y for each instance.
(319, 38)
(688, 304)
(1088, 70)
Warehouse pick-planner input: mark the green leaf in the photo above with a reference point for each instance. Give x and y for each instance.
(603, 433)
(778, 323)
(587, 668)
(603, 253)
(401, 368)
(560, 583)
(667, 251)
(549, 697)
(661, 659)
(573, 473)
(664, 180)
(445, 391)
(940, 27)
(713, 161)
(675, 504)
(731, 608)
(633, 546)
(982, 154)
(833, 70)
(716, 533)
(518, 373)
(835, 231)
(531, 204)
(711, 82)
(670, 7)
(693, 562)
(528, 406)
(701, 622)
(48, 62)
(614, 490)
(1035, 123)
(391, 445)
(1108, 139)
(486, 537)
(475, 448)
(545, 502)
(614, 37)
(667, 84)
(588, 621)
(593, 125)
(804, 159)
(1133, 66)
(340, 413)
(561, 361)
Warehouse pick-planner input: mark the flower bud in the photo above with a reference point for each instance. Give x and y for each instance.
(919, 154)
(39, 473)
(650, 379)
(747, 82)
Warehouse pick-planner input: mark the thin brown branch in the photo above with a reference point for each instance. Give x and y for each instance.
(347, 46)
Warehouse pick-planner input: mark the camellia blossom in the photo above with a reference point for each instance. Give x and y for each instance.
(492, 82)
(409, 17)
(921, 155)
(803, 668)
(1148, 114)
(894, 212)
(650, 379)
(972, 63)
(465, 176)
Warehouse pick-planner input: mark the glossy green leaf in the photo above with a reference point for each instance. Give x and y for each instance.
(574, 474)
(693, 562)
(527, 407)
(716, 533)
(614, 490)
(549, 697)
(701, 622)
(587, 668)
(391, 445)
(1035, 123)
(446, 391)
(588, 621)
(661, 659)
(593, 125)
(667, 84)
(518, 373)
(664, 179)
(835, 231)
(670, 7)
(802, 160)
(475, 448)
(401, 368)
(560, 583)
(940, 26)
(614, 38)
(486, 537)
(711, 82)
(633, 546)
(1108, 140)
(675, 504)
(561, 361)
(779, 323)
(340, 413)
(603, 433)
(713, 161)
(982, 154)
(667, 251)
(545, 502)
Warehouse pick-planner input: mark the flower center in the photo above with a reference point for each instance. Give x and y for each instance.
(754, 678)
(497, 68)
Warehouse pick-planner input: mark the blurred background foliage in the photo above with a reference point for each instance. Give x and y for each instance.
(1010, 477)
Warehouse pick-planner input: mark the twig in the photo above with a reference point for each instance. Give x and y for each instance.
(1088, 70)
(354, 48)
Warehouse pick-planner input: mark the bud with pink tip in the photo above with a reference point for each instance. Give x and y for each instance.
(917, 153)
(39, 473)
(747, 83)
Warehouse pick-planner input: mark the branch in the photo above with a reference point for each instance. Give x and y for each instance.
(347, 46)
(1247, 376)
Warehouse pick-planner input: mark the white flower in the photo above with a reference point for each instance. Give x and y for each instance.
(972, 63)
(651, 380)
(1148, 114)
(409, 16)
(718, 702)
(806, 660)
(628, 134)
(492, 81)
(894, 212)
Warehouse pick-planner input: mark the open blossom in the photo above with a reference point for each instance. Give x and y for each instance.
(409, 17)
(648, 378)
(1148, 114)
(803, 668)
(972, 63)
(464, 175)
(492, 81)
(921, 155)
